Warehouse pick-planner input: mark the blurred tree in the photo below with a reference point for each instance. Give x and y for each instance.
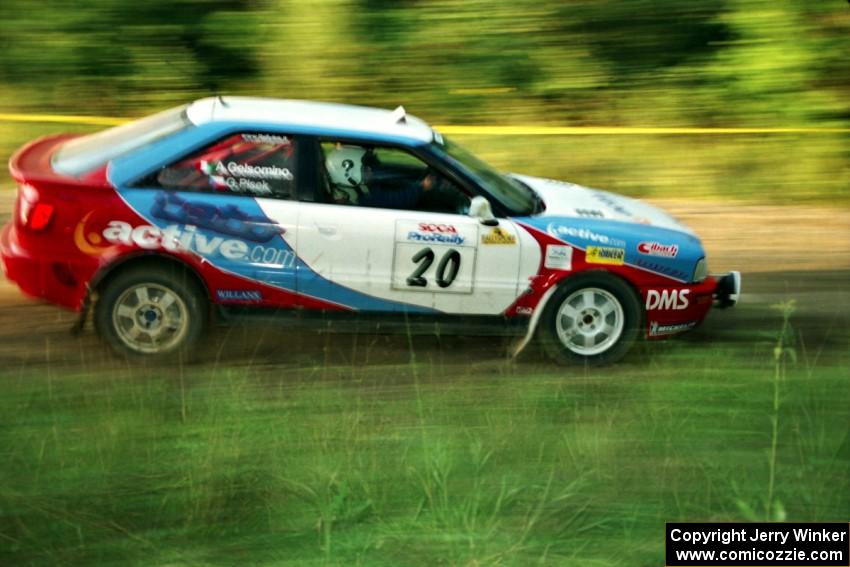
(103, 50)
(661, 62)
(774, 70)
(638, 38)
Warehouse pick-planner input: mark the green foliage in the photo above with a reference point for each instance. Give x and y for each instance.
(117, 55)
(641, 62)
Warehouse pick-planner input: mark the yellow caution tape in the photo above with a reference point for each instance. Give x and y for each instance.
(476, 130)
(64, 119)
(618, 130)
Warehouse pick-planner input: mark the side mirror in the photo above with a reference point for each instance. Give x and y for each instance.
(479, 208)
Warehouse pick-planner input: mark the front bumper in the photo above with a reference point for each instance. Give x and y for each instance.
(728, 290)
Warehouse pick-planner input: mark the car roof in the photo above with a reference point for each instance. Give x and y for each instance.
(324, 116)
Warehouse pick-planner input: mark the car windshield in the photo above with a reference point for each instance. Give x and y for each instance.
(515, 197)
(81, 155)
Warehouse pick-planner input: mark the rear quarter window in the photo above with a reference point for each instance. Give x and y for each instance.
(82, 155)
(257, 164)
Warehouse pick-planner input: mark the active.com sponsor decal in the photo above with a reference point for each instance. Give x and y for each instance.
(177, 238)
(563, 231)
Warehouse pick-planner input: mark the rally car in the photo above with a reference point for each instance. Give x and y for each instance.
(233, 206)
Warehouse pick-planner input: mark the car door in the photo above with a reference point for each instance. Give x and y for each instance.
(213, 202)
(386, 259)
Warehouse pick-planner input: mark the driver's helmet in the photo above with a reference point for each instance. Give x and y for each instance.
(345, 171)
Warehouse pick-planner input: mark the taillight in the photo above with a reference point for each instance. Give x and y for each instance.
(32, 213)
(40, 216)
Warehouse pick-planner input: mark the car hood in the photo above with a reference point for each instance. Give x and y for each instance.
(646, 237)
(570, 200)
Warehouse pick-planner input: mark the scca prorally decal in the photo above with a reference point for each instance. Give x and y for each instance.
(560, 231)
(667, 299)
(431, 227)
(435, 238)
(657, 329)
(239, 295)
(605, 255)
(225, 220)
(658, 249)
(175, 238)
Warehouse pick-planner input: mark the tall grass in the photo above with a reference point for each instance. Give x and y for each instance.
(428, 459)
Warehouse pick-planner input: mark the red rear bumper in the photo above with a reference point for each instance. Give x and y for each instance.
(50, 278)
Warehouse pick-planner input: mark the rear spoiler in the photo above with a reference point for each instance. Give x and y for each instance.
(32, 163)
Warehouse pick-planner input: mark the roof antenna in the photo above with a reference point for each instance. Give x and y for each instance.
(221, 101)
(399, 116)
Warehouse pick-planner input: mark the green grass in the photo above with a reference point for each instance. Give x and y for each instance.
(426, 463)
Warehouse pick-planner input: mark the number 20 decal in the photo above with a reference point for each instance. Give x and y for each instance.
(447, 268)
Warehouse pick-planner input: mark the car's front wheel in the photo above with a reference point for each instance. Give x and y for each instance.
(150, 313)
(591, 319)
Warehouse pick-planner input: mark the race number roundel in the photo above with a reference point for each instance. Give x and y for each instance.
(434, 257)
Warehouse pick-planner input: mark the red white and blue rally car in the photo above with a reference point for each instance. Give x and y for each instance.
(235, 206)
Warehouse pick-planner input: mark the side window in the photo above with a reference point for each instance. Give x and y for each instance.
(386, 177)
(262, 165)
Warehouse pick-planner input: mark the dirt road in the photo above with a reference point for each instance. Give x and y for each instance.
(800, 253)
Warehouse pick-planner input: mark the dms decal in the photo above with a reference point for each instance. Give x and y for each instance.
(605, 255)
(657, 329)
(239, 295)
(561, 231)
(498, 236)
(225, 220)
(667, 299)
(174, 238)
(658, 249)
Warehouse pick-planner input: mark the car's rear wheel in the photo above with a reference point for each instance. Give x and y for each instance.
(591, 319)
(151, 313)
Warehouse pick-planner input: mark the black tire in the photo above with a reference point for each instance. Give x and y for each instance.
(167, 326)
(560, 333)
